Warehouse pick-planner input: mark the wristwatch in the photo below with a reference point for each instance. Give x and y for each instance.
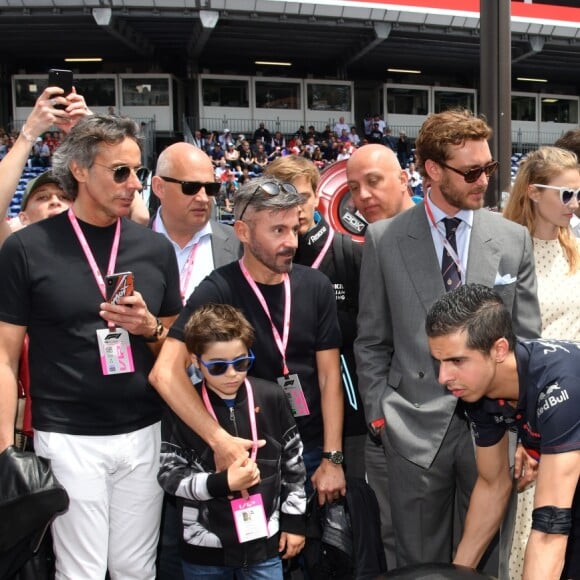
(336, 457)
(157, 333)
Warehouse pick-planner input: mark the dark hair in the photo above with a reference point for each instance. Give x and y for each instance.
(83, 143)
(570, 141)
(475, 309)
(216, 323)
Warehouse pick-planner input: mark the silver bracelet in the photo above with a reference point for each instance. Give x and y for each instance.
(24, 132)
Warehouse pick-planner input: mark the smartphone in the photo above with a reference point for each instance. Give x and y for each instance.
(63, 79)
(118, 285)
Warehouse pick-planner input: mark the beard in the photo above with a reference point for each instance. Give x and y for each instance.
(278, 263)
(461, 199)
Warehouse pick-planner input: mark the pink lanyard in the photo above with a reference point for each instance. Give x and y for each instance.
(324, 250)
(281, 343)
(186, 271)
(251, 413)
(185, 274)
(444, 239)
(89, 254)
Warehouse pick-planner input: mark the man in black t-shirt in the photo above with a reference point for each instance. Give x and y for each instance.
(533, 386)
(337, 256)
(293, 311)
(94, 414)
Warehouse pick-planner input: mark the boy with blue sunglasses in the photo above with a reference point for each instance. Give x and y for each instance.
(238, 522)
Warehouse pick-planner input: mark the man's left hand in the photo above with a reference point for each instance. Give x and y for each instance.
(525, 468)
(328, 480)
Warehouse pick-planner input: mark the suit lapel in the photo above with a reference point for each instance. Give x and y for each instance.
(484, 253)
(419, 257)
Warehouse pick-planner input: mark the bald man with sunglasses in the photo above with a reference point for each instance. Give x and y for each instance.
(408, 262)
(184, 182)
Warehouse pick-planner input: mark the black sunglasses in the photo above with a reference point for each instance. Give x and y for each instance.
(271, 188)
(122, 172)
(472, 175)
(566, 193)
(219, 367)
(193, 187)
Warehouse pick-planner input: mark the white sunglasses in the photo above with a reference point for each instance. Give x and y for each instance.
(566, 193)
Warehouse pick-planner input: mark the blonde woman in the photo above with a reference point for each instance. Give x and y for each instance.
(544, 197)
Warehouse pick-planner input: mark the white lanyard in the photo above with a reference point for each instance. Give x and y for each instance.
(251, 413)
(450, 250)
(281, 343)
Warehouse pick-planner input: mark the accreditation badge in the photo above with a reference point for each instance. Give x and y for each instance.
(115, 351)
(293, 389)
(250, 518)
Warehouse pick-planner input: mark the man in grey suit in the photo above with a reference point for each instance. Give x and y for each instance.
(184, 182)
(427, 442)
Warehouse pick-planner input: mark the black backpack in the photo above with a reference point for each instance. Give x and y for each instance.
(343, 539)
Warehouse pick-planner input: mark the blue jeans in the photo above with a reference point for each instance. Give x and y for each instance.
(312, 458)
(267, 570)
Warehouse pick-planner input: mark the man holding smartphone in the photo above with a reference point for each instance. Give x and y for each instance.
(94, 414)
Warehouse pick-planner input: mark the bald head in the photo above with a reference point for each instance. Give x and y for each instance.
(377, 183)
(181, 155)
(183, 215)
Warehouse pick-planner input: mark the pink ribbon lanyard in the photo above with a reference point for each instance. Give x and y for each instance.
(444, 239)
(185, 274)
(324, 250)
(251, 413)
(281, 343)
(89, 254)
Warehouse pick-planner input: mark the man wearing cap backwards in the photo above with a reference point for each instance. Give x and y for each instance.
(43, 198)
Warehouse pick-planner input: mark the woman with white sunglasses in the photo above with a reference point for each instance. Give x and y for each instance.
(544, 197)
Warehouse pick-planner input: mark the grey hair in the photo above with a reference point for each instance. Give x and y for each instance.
(83, 142)
(255, 200)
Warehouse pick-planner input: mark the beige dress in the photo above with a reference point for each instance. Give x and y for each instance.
(558, 294)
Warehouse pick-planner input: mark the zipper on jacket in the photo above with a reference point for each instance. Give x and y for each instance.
(233, 420)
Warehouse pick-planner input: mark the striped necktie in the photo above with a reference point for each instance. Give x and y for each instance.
(449, 269)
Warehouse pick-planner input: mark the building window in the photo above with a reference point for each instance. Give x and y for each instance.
(225, 93)
(277, 95)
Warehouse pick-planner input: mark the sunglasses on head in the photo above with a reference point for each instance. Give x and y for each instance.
(219, 367)
(193, 187)
(122, 172)
(472, 175)
(566, 193)
(270, 188)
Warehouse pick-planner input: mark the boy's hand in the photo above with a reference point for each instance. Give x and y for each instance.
(290, 545)
(242, 474)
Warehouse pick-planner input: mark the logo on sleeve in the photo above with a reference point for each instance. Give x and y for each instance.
(550, 397)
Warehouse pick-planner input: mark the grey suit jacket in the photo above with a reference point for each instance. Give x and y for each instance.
(400, 280)
(225, 245)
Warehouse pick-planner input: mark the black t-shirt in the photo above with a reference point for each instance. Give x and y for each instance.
(345, 278)
(313, 327)
(548, 412)
(48, 286)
